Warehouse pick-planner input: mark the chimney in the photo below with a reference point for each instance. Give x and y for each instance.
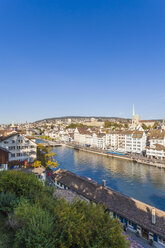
(103, 183)
(153, 216)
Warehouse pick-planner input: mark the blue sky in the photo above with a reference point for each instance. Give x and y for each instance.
(81, 57)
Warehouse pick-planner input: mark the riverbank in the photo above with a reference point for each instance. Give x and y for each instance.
(124, 157)
(104, 153)
(101, 152)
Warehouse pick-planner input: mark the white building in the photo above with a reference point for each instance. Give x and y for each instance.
(84, 136)
(156, 151)
(157, 137)
(127, 141)
(135, 141)
(156, 148)
(20, 147)
(112, 140)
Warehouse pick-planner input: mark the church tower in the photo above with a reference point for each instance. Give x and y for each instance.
(135, 118)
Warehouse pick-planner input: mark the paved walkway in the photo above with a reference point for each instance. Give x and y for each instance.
(137, 242)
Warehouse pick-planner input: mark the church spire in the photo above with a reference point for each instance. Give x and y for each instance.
(133, 110)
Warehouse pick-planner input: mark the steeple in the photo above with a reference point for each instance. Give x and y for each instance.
(133, 114)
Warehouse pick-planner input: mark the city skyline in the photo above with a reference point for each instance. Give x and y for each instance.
(81, 58)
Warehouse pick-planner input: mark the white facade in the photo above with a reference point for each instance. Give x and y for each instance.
(112, 140)
(129, 141)
(135, 142)
(86, 137)
(156, 151)
(20, 147)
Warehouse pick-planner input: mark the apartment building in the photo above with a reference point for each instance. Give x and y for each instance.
(135, 141)
(156, 137)
(112, 140)
(156, 151)
(20, 147)
(127, 141)
(156, 147)
(85, 136)
(99, 140)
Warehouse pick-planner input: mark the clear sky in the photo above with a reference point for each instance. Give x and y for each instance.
(81, 57)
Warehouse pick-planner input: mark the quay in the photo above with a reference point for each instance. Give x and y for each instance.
(104, 153)
(125, 157)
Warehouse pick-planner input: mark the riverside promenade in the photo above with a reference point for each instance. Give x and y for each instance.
(131, 157)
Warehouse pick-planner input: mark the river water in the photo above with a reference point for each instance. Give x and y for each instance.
(142, 182)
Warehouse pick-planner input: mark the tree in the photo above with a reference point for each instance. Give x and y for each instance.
(126, 125)
(75, 230)
(144, 126)
(37, 164)
(50, 159)
(155, 125)
(43, 221)
(20, 183)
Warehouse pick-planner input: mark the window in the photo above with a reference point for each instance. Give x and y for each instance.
(130, 223)
(19, 154)
(12, 155)
(13, 141)
(5, 142)
(11, 147)
(161, 240)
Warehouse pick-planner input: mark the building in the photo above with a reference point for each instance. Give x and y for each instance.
(156, 151)
(40, 173)
(156, 137)
(135, 141)
(112, 140)
(135, 119)
(127, 141)
(20, 147)
(86, 136)
(4, 159)
(139, 217)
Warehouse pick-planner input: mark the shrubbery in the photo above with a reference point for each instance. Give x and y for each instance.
(39, 220)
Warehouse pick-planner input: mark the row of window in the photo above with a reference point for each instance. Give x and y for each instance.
(15, 141)
(13, 155)
(20, 147)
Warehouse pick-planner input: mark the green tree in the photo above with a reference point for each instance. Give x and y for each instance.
(36, 226)
(20, 183)
(144, 126)
(37, 164)
(50, 159)
(76, 230)
(155, 125)
(45, 222)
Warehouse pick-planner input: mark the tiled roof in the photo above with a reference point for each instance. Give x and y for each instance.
(134, 210)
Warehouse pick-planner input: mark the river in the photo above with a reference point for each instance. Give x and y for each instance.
(142, 182)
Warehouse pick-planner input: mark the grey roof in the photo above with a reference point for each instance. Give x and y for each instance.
(132, 209)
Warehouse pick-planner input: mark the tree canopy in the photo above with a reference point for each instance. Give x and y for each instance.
(37, 219)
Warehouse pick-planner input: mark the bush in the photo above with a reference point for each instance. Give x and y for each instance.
(37, 226)
(7, 202)
(20, 183)
(39, 220)
(86, 225)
